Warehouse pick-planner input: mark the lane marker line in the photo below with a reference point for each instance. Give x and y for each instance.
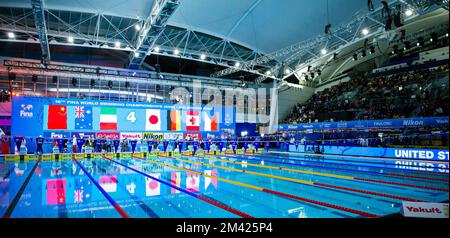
(16, 199)
(354, 211)
(201, 197)
(107, 196)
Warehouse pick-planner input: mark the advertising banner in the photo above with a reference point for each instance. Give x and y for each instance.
(425, 209)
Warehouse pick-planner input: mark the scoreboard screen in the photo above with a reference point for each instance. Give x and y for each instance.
(55, 117)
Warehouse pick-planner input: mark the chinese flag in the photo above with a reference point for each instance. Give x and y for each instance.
(57, 117)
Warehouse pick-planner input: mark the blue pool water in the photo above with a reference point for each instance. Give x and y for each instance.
(263, 186)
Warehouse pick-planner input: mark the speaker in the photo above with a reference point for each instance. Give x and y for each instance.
(55, 79)
(110, 84)
(34, 78)
(92, 82)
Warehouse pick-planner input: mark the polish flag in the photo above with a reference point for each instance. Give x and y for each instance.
(152, 187)
(108, 183)
(175, 179)
(192, 121)
(192, 182)
(209, 180)
(153, 120)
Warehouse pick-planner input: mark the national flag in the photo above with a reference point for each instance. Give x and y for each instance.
(108, 118)
(153, 120)
(192, 121)
(57, 117)
(83, 117)
(192, 182)
(56, 191)
(152, 187)
(175, 179)
(210, 122)
(108, 183)
(82, 190)
(174, 120)
(78, 198)
(209, 180)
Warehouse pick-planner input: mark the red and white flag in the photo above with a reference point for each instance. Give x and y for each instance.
(210, 121)
(108, 183)
(209, 180)
(152, 187)
(192, 121)
(153, 120)
(175, 179)
(192, 182)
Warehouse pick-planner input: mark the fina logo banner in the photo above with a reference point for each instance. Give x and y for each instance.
(26, 111)
(425, 210)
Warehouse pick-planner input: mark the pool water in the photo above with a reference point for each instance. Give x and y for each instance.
(271, 185)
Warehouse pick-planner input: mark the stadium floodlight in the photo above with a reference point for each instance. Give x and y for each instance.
(365, 31)
(287, 71)
(268, 72)
(70, 39)
(237, 64)
(323, 51)
(136, 54)
(137, 27)
(117, 44)
(11, 35)
(176, 52)
(202, 56)
(408, 12)
(156, 49)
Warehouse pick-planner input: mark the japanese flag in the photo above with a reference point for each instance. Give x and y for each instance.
(153, 120)
(152, 187)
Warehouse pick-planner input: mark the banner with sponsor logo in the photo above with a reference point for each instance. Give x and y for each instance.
(130, 135)
(193, 135)
(172, 136)
(425, 209)
(388, 123)
(109, 135)
(79, 135)
(153, 136)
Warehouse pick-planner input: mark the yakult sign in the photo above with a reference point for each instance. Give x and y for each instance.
(425, 210)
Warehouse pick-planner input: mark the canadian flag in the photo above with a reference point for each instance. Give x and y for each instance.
(153, 120)
(192, 182)
(152, 187)
(192, 121)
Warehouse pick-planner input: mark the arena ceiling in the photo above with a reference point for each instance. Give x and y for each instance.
(217, 32)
